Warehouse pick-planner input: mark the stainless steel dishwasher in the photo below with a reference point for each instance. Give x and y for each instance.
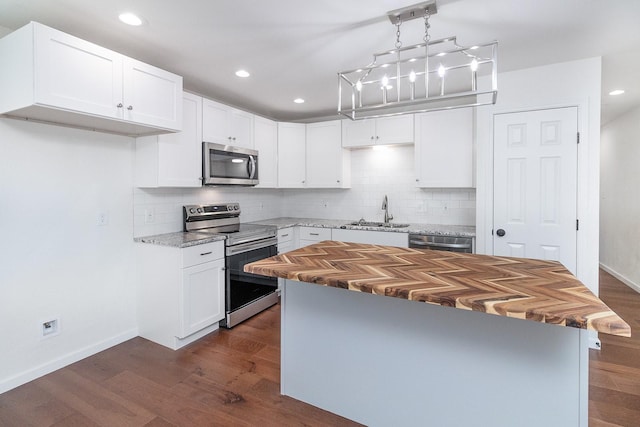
(441, 243)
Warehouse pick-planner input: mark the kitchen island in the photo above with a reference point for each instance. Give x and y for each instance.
(398, 361)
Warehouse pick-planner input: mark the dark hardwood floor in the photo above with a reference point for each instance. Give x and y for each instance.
(231, 378)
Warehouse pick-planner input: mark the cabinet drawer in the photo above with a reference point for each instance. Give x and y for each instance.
(315, 234)
(285, 235)
(194, 255)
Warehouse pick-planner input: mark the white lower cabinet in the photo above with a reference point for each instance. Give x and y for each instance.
(180, 292)
(310, 235)
(389, 238)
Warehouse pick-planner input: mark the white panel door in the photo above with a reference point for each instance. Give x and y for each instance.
(535, 185)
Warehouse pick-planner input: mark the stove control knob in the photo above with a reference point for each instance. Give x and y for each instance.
(192, 210)
(236, 207)
(200, 210)
(229, 208)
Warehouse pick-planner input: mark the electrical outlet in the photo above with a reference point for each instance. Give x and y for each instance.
(50, 328)
(102, 218)
(149, 215)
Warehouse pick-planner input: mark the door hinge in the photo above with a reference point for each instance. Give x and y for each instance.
(577, 224)
(578, 137)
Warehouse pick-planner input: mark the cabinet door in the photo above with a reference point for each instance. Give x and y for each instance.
(265, 138)
(202, 296)
(358, 133)
(291, 155)
(76, 75)
(152, 96)
(180, 153)
(215, 122)
(324, 155)
(395, 130)
(444, 149)
(241, 124)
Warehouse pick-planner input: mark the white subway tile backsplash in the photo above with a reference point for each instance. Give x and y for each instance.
(374, 174)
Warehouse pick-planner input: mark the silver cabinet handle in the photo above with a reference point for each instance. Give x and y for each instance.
(206, 253)
(130, 107)
(314, 234)
(377, 137)
(441, 245)
(284, 235)
(372, 138)
(119, 105)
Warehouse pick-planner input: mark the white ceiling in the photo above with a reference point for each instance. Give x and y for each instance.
(294, 48)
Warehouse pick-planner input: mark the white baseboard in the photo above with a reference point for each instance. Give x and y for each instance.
(65, 360)
(623, 279)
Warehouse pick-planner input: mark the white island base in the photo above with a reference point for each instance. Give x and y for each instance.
(391, 362)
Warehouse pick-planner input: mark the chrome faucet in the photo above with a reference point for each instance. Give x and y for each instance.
(385, 206)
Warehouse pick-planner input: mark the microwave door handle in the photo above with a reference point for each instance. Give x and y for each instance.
(252, 167)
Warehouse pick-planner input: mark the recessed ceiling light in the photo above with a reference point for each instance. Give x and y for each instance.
(130, 19)
(616, 92)
(299, 101)
(242, 73)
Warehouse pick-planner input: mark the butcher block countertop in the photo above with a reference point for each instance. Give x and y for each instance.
(541, 291)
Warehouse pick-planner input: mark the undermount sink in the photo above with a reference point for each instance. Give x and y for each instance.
(378, 224)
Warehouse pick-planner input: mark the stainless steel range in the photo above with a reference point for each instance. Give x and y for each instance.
(246, 294)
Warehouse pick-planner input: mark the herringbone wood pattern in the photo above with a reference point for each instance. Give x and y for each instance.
(542, 291)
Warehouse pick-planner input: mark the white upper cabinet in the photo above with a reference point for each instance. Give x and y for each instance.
(55, 77)
(226, 125)
(328, 164)
(265, 138)
(291, 155)
(175, 159)
(444, 149)
(382, 131)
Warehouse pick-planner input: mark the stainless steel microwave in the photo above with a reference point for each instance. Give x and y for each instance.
(228, 165)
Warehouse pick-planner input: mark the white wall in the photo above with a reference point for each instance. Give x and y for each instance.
(374, 174)
(575, 83)
(620, 198)
(55, 262)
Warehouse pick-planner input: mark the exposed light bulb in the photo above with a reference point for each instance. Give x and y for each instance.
(474, 65)
(359, 85)
(412, 76)
(385, 81)
(441, 70)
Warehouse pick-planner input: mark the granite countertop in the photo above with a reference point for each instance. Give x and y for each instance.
(180, 239)
(536, 290)
(438, 229)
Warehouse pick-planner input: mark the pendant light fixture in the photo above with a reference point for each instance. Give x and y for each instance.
(431, 75)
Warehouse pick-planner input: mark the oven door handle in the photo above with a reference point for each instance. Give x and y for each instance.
(441, 245)
(250, 246)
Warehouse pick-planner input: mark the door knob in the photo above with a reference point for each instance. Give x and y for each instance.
(500, 232)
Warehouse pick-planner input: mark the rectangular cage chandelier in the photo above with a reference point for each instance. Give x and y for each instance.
(428, 76)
